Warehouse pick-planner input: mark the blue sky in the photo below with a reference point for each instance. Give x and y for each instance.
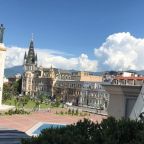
(69, 26)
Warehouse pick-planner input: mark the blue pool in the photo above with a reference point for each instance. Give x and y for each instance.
(46, 125)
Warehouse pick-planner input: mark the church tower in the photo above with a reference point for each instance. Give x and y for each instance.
(30, 66)
(30, 59)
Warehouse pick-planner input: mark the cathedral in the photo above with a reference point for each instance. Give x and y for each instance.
(36, 79)
(77, 87)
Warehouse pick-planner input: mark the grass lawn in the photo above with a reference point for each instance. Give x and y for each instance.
(43, 106)
(30, 105)
(10, 102)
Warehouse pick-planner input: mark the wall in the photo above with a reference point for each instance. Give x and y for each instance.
(119, 94)
(91, 78)
(116, 102)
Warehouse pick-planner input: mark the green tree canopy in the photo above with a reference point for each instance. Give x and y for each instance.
(11, 89)
(109, 131)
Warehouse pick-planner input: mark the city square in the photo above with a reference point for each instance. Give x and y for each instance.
(71, 72)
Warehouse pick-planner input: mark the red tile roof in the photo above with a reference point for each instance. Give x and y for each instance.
(128, 78)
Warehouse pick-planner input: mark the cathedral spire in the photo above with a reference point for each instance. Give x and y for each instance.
(30, 59)
(31, 46)
(31, 54)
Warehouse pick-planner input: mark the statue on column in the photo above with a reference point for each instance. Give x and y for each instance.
(1, 33)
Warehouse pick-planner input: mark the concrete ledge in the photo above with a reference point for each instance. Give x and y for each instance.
(6, 107)
(11, 136)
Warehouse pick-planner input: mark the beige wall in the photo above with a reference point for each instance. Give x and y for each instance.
(91, 78)
(85, 76)
(116, 106)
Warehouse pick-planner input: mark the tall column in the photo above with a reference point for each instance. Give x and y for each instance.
(2, 59)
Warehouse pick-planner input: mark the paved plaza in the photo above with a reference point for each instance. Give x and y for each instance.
(25, 122)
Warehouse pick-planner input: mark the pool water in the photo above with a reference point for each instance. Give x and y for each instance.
(44, 126)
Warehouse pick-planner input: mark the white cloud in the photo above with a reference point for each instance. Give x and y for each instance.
(46, 58)
(121, 51)
(14, 56)
(86, 64)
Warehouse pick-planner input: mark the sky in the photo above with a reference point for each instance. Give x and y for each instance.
(91, 35)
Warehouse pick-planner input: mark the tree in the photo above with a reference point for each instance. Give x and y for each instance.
(6, 91)
(16, 87)
(22, 100)
(11, 89)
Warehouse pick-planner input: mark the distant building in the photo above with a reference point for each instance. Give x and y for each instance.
(14, 78)
(128, 74)
(82, 93)
(109, 76)
(123, 78)
(69, 86)
(5, 80)
(85, 76)
(126, 95)
(131, 80)
(128, 78)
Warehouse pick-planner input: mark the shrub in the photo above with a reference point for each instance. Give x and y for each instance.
(109, 131)
(61, 113)
(16, 111)
(69, 111)
(72, 112)
(76, 112)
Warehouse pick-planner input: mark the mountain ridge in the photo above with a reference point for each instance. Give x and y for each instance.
(8, 72)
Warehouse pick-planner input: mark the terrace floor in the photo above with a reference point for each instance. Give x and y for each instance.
(25, 122)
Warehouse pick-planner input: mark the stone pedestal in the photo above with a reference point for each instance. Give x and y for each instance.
(2, 60)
